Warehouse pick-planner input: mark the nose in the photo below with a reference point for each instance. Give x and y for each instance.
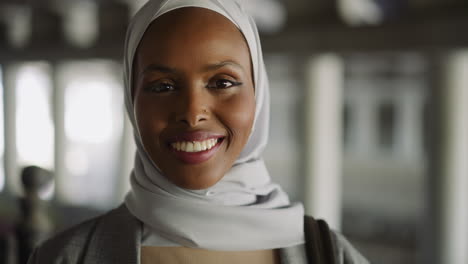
(193, 108)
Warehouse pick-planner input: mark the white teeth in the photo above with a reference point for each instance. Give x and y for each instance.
(203, 145)
(189, 147)
(195, 146)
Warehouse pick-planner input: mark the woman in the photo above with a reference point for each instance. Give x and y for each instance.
(197, 94)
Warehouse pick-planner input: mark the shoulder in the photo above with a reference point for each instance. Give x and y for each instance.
(324, 243)
(345, 252)
(74, 244)
(66, 246)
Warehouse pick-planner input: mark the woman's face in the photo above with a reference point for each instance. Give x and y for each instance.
(193, 95)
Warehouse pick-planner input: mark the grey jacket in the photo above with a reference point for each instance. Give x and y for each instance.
(115, 238)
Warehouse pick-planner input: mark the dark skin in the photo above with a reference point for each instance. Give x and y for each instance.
(192, 72)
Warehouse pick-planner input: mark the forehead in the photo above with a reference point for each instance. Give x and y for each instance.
(191, 27)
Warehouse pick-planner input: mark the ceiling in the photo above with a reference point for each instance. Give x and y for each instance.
(31, 29)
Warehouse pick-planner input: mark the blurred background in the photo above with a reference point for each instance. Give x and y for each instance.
(369, 119)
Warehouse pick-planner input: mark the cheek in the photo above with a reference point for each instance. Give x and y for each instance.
(150, 121)
(240, 114)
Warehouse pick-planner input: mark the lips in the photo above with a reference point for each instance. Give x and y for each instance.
(195, 147)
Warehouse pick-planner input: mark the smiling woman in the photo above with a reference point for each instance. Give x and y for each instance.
(191, 101)
(197, 95)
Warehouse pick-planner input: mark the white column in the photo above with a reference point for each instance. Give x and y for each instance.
(323, 126)
(59, 130)
(454, 161)
(12, 182)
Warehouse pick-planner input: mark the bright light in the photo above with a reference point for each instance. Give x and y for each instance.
(77, 161)
(93, 127)
(35, 132)
(89, 116)
(269, 15)
(80, 23)
(360, 12)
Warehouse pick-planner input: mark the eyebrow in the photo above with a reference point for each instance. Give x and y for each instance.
(206, 68)
(159, 68)
(216, 66)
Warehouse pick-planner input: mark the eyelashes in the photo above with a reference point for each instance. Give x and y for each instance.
(160, 86)
(223, 84)
(167, 85)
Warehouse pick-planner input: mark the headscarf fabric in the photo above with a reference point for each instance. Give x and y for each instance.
(245, 210)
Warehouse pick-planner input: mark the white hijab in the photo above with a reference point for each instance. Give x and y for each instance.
(244, 210)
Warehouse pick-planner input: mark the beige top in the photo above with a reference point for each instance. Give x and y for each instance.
(183, 255)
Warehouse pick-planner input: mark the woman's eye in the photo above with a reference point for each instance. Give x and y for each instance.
(223, 84)
(160, 87)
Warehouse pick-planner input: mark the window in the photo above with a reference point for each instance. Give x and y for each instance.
(93, 130)
(35, 132)
(86, 150)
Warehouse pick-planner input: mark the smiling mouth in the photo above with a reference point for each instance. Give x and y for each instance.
(195, 146)
(196, 151)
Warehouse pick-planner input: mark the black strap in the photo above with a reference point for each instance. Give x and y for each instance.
(319, 243)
